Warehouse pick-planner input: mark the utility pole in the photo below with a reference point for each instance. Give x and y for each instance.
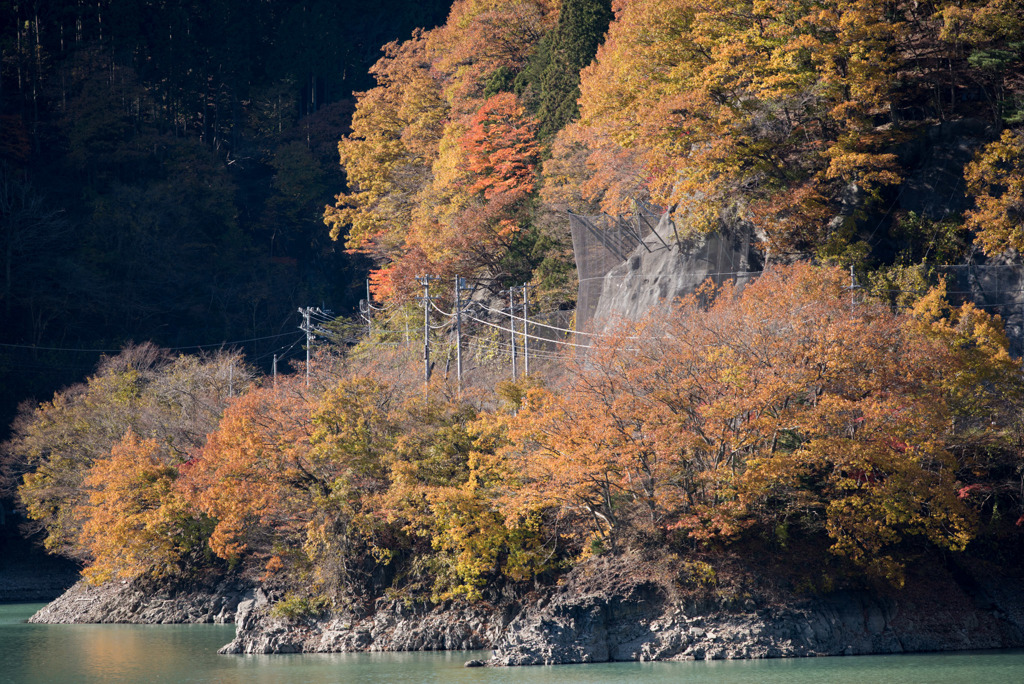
(526, 338)
(308, 329)
(425, 281)
(853, 285)
(364, 311)
(512, 325)
(460, 285)
(275, 371)
(369, 310)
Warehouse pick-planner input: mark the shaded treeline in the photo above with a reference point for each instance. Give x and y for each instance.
(163, 171)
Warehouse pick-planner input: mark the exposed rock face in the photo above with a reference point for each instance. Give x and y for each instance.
(583, 622)
(392, 627)
(663, 267)
(655, 275)
(148, 603)
(619, 609)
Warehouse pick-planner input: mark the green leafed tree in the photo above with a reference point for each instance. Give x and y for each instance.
(551, 80)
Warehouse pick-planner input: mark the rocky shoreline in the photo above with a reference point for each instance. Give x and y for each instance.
(146, 603)
(586, 620)
(392, 626)
(607, 609)
(618, 610)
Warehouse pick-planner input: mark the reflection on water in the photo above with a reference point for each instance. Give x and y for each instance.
(186, 654)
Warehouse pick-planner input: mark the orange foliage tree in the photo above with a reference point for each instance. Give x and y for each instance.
(982, 386)
(368, 473)
(500, 153)
(241, 477)
(784, 404)
(136, 521)
(406, 160)
(501, 148)
(285, 477)
(54, 446)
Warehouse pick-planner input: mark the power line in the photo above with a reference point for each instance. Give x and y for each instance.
(322, 316)
(542, 325)
(504, 347)
(442, 311)
(532, 337)
(118, 351)
(278, 350)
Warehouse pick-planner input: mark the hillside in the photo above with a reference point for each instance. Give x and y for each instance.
(841, 411)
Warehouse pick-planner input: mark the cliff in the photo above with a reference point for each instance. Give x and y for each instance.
(392, 626)
(147, 602)
(611, 610)
(624, 608)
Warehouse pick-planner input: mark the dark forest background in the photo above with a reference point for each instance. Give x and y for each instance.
(164, 165)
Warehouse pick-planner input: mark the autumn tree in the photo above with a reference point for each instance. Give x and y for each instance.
(981, 40)
(502, 148)
(484, 44)
(781, 404)
(387, 157)
(445, 480)
(342, 489)
(236, 478)
(766, 110)
(136, 521)
(406, 158)
(289, 478)
(996, 179)
(985, 397)
(55, 446)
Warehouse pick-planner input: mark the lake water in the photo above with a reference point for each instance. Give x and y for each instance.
(186, 654)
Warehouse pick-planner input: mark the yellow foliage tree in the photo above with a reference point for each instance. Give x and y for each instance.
(996, 179)
(766, 108)
(411, 200)
(136, 521)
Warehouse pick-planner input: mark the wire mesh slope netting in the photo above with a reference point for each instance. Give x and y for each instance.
(996, 288)
(629, 265)
(602, 242)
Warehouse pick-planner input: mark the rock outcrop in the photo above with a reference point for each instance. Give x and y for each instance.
(642, 619)
(606, 609)
(660, 271)
(392, 626)
(621, 609)
(145, 603)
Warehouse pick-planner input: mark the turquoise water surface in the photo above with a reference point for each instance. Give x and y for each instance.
(185, 654)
